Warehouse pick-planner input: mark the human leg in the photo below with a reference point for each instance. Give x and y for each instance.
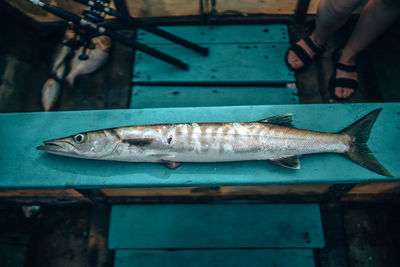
(331, 15)
(376, 16)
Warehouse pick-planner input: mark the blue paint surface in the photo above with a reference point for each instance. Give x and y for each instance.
(238, 54)
(22, 166)
(212, 226)
(276, 33)
(191, 96)
(221, 258)
(227, 63)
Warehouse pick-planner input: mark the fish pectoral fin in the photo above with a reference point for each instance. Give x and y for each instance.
(288, 162)
(172, 164)
(281, 120)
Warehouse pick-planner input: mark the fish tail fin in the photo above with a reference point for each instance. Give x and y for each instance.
(359, 151)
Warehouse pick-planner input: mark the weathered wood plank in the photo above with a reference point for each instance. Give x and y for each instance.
(166, 8)
(166, 96)
(161, 8)
(238, 54)
(98, 254)
(238, 34)
(22, 166)
(217, 191)
(227, 63)
(334, 253)
(215, 226)
(376, 188)
(371, 233)
(231, 258)
(39, 193)
(41, 15)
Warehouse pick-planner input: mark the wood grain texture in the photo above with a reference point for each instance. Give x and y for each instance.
(98, 254)
(166, 8)
(40, 193)
(162, 8)
(41, 15)
(376, 188)
(217, 191)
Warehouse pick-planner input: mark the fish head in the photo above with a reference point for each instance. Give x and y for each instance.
(91, 145)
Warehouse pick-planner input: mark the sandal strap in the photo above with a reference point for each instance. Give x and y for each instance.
(346, 83)
(347, 68)
(312, 46)
(301, 54)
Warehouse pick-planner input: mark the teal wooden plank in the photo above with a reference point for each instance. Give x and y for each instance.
(221, 258)
(22, 166)
(171, 226)
(227, 63)
(276, 33)
(177, 96)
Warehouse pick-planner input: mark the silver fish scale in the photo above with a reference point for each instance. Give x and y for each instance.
(204, 142)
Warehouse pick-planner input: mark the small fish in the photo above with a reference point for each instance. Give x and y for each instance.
(97, 57)
(61, 53)
(272, 139)
(51, 89)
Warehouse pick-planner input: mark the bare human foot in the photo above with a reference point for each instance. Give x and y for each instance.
(343, 92)
(294, 61)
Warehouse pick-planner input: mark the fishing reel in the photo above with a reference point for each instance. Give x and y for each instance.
(95, 12)
(80, 38)
(92, 25)
(83, 36)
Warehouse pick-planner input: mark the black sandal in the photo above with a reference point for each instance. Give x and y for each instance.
(342, 82)
(302, 54)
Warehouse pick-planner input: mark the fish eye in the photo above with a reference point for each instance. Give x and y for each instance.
(79, 138)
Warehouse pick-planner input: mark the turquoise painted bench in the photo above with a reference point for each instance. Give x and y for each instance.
(22, 166)
(248, 60)
(215, 234)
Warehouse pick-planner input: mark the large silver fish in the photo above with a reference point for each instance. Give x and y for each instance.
(272, 139)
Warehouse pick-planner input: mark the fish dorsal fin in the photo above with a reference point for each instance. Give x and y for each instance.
(281, 120)
(288, 162)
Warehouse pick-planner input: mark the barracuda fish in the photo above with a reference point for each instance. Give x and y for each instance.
(274, 139)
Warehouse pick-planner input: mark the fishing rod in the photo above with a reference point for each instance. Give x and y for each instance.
(91, 28)
(100, 6)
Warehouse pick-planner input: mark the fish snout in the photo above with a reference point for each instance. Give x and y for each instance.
(52, 146)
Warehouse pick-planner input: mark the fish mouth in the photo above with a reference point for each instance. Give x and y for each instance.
(52, 146)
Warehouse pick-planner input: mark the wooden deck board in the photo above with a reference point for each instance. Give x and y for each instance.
(202, 258)
(238, 55)
(192, 96)
(238, 34)
(215, 226)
